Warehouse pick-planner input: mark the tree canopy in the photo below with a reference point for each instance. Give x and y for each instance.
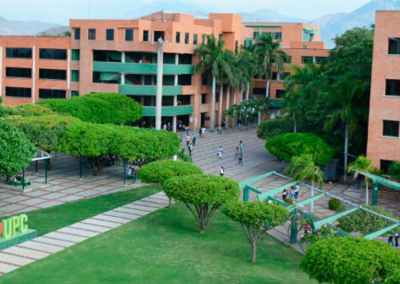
(350, 260)
(256, 217)
(98, 108)
(16, 151)
(289, 145)
(202, 194)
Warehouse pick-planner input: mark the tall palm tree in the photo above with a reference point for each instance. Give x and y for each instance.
(345, 105)
(212, 59)
(269, 56)
(304, 168)
(365, 165)
(297, 87)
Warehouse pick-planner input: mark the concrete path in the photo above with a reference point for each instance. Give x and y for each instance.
(30, 251)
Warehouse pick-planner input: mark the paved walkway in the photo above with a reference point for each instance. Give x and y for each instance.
(64, 185)
(41, 247)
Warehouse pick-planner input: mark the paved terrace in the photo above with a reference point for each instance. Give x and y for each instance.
(64, 184)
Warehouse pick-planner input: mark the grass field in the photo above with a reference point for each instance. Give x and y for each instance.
(54, 218)
(165, 247)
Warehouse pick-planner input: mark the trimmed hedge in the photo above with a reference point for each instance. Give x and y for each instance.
(270, 128)
(287, 146)
(334, 204)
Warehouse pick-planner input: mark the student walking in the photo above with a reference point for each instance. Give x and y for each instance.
(292, 193)
(219, 130)
(240, 159)
(241, 146)
(296, 191)
(396, 240)
(221, 171)
(236, 152)
(220, 152)
(187, 140)
(200, 132)
(390, 240)
(194, 140)
(284, 194)
(187, 130)
(190, 149)
(203, 132)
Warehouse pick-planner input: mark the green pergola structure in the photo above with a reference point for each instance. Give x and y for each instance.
(317, 223)
(376, 182)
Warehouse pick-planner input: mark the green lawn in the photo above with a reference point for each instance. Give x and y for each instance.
(165, 247)
(54, 218)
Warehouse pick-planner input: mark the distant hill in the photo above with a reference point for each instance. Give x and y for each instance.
(57, 31)
(8, 27)
(266, 15)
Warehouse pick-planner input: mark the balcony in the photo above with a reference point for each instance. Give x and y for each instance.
(169, 111)
(148, 90)
(142, 68)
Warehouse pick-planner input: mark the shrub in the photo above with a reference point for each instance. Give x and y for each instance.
(365, 222)
(334, 204)
(394, 278)
(394, 171)
(270, 128)
(350, 260)
(202, 194)
(287, 146)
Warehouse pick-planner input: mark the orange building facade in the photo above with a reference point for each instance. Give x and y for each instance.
(120, 56)
(384, 116)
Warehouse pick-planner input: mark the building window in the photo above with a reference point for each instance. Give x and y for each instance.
(74, 75)
(52, 74)
(280, 94)
(18, 72)
(385, 164)
(390, 128)
(320, 60)
(178, 37)
(195, 39)
(259, 91)
(185, 80)
(110, 34)
(277, 35)
(74, 94)
(76, 55)
(255, 34)
(12, 52)
(129, 35)
(236, 46)
(394, 46)
(220, 37)
(392, 87)
(55, 54)
(52, 94)
(18, 92)
(92, 34)
(159, 34)
(203, 98)
(186, 38)
(77, 33)
(307, 59)
(145, 35)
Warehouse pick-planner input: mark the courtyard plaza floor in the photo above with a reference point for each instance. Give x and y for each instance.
(64, 184)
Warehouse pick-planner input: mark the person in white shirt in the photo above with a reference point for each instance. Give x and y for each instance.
(222, 171)
(220, 152)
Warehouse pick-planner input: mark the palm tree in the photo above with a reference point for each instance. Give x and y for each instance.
(345, 100)
(269, 56)
(304, 168)
(297, 87)
(212, 59)
(365, 165)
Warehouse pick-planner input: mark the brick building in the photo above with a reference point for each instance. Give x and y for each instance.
(119, 56)
(384, 116)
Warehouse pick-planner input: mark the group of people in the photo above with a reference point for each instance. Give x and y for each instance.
(293, 193)
(239, 153)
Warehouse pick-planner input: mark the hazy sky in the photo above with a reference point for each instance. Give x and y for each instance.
(59, 11)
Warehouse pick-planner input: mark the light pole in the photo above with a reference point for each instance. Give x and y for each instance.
(160, 62)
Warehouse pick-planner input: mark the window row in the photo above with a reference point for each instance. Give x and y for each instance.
(44, 53)
(27, 93)
(311, 59)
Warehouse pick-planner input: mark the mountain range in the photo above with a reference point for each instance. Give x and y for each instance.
(331, 24)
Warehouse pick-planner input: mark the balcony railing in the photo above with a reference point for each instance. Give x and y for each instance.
(168, 111)
(142, 68)
(149, 90)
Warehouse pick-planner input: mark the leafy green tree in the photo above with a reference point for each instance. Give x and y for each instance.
(394, 278)
(269, 56)
(286, 146)
(273, 127)
(203, 195)
(256, 218)
(363, 164)
(345, 97)
(16, 151)
(304, 167)
(365, 222)
(212, 58)
(98, 108)
(350, 260)
(160, 172)
(394, 171)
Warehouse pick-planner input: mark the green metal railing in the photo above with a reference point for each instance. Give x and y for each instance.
(149, 90)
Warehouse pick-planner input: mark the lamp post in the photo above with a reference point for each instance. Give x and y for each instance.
(160, 62)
